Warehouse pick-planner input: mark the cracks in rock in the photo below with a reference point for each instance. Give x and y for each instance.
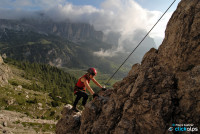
(175, 102)
(118, 118)
(174, 107)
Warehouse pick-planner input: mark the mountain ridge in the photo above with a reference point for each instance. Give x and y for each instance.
(80, 32)
(69, 45)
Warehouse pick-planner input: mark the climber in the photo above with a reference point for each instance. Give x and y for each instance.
(82, 84)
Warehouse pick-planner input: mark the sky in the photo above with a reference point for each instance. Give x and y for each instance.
(122, 16)
(159, 5)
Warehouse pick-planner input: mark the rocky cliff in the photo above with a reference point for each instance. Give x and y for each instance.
(5, 72)
(68, 30)
(163, 90)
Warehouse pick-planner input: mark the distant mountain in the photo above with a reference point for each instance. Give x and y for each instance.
(71, 31)
(67, 44)
(49, 49)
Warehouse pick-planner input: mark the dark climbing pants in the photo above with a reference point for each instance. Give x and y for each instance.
(79, 95)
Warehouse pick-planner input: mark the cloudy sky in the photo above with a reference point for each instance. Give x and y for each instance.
(123, 16)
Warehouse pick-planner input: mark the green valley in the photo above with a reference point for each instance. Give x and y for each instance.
(35, 94)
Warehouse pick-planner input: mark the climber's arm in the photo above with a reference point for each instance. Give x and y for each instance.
(96, 83)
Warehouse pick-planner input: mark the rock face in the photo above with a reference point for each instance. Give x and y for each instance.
(69, 30)
(4, 72)
(163, 90)
(1, 60)
(8, 123)
(70, 122)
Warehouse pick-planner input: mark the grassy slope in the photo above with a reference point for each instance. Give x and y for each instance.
(36, 105)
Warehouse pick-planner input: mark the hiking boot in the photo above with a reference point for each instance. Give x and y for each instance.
(75, 109)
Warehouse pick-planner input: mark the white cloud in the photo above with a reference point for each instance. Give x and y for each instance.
(47, 4)
(31, 4)
(74, 13)
(109, 52)
(123, 16)
(159, 29)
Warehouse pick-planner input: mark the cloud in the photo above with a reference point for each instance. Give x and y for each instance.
(158, 31)
(72, 12)
(110, 52)
(118, 16)
(31, 4)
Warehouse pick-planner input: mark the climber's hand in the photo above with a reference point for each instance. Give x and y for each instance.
(103, 89)
(95, 95)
